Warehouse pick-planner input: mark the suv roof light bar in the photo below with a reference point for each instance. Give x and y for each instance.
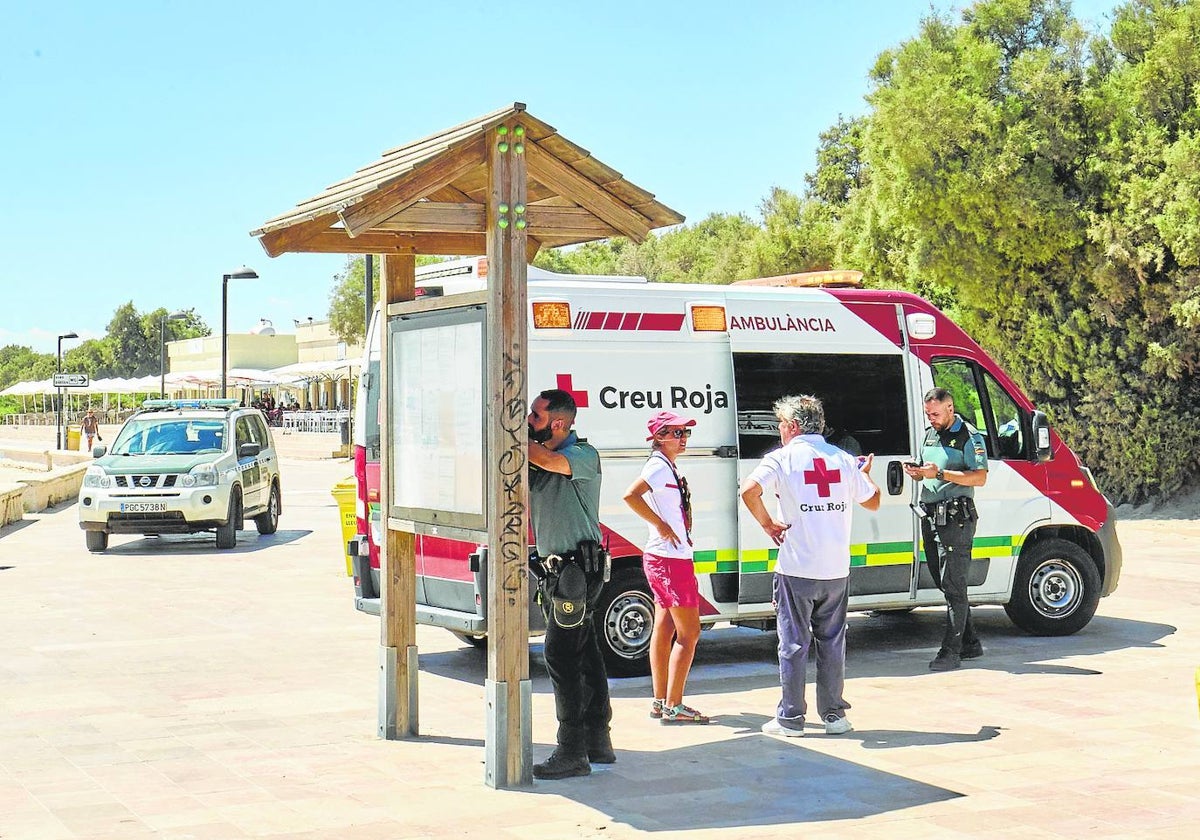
(225, 403)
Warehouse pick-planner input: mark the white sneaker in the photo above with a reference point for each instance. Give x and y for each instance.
(837, 725)
(774, 727)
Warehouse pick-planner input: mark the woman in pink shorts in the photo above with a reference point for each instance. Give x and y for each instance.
(660, 496)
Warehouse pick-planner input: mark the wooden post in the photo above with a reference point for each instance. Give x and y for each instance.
(398, 609)
(509, 746)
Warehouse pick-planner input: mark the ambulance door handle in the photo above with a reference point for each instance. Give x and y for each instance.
(727, 452)
(895, 478)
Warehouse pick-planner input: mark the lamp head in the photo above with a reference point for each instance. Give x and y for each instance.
(243, 273)
(68, 335)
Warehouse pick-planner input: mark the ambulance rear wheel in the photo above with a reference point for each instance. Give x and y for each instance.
(1056, 590)
(624, 620)
(96, 540)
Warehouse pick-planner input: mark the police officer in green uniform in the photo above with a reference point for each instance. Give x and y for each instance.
(564, 502)
(954, 463)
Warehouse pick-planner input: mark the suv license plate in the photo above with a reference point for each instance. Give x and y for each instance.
(143, 507)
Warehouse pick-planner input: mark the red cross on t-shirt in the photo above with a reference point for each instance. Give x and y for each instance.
(822, 477)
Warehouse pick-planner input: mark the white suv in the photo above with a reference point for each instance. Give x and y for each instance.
(181, 466)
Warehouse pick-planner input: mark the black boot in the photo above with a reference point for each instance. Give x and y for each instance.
(945, 660)
(600, 748)
(562, 765)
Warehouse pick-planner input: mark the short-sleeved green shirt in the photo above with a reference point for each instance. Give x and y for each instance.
(566, 508)
(958, 448)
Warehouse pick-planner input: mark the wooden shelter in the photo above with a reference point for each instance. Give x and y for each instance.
(505, 185)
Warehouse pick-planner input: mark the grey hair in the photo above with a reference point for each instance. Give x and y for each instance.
(805, 410)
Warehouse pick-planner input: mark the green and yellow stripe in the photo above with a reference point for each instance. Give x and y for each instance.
(759, 560)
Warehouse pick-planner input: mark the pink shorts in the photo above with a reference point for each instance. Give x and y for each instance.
(672, 580)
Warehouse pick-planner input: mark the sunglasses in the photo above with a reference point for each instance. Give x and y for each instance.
(675, 433)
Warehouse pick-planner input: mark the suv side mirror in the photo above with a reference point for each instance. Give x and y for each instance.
(248, 450)
(1041, 435)
(99, 451)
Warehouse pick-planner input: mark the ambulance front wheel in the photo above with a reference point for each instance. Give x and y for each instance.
(1056, 591)
(624, 621)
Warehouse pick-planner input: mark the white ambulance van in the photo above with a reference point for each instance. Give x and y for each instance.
(1046, 547)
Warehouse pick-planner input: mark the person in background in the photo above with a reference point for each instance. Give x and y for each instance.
(90, 427)
(816, 482)
(660, 496)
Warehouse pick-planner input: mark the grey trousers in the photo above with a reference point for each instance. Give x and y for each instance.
(811, 613)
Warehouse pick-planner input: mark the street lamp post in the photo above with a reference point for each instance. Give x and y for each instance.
(243, 273)
(162, 350)
(59, 441)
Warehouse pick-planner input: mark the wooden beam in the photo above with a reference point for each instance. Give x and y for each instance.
(285, 240)
(438, 217)
(335, 241)
(553, 173)
(398, 608)
(449, 193)
(550, 221)
(413, 186)
(509, 747)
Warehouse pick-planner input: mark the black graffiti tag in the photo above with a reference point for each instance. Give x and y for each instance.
(513, 546)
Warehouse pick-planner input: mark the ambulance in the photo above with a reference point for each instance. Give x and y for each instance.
(1046, 548)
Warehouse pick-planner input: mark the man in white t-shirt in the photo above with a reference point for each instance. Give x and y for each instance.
(816, 483)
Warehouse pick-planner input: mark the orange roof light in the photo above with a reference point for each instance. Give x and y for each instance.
(551, 315)
(808, 279)
(708, 318)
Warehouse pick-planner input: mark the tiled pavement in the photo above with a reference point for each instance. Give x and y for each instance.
(168, 690)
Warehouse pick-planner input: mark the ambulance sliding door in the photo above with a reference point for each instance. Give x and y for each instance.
(859, 375)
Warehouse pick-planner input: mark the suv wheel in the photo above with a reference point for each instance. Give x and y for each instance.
(96, 541)
(227, 533)
(268, 522)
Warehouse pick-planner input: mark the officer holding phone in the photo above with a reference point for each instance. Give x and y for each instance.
(564, 503)
(954, 463)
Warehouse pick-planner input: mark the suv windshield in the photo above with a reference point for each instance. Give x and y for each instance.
(170, 436)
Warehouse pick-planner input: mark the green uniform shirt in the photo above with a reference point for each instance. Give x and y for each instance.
(958, 448)
(566, 508)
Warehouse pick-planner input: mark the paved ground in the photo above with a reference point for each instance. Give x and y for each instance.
(168, 690)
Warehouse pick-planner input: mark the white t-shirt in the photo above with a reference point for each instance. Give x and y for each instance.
(817, 484)
(664, 497)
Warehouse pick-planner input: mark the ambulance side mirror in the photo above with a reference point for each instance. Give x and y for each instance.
(1041, 436)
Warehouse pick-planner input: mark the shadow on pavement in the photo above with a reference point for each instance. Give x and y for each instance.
(739, 783)
(186, 545)
(888, 645)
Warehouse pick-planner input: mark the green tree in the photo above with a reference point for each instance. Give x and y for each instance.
(347, 315)
(1038, 183)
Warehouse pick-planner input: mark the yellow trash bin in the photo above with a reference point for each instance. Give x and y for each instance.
(345, 492)
(73, 435)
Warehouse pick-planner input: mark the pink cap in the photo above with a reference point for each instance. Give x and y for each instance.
(663, 419)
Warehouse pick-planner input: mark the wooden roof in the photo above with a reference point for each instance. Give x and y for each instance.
(429, 196)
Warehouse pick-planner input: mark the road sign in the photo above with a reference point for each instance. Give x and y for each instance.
(70, 380)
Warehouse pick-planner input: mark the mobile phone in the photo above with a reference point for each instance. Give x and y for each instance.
(912, 464)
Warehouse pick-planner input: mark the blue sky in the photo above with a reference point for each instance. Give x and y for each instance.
(144, 139)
